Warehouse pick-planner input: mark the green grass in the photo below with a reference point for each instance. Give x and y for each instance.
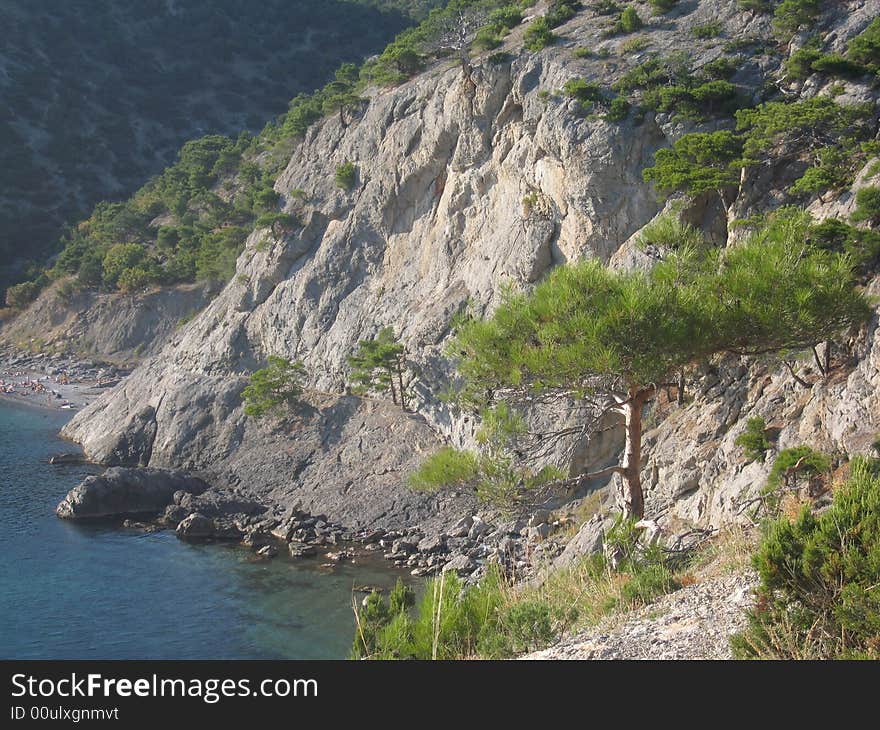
(497, 619)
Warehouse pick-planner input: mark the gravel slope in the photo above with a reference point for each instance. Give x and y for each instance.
(695, 622)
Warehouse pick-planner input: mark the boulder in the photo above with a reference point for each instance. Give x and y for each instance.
(462, 527)
(461, 564)
(478, 529)
(539, 532)
(432, 544)
(539, 518)
(196, 527)
(302, 550)
(67, 458)
(588, 541)
(122, 492)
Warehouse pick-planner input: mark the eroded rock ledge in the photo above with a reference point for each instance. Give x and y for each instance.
(120, 492)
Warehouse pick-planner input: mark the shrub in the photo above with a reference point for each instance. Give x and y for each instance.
(538, 35)
(761, 6)
(629, 21)
(721, 68)
(20, 295)
(867, 206)
(489, 620)
(789, 469)
(833, 64)
(618, 109)
(865, 47)
(273, 388)
(662, 6)
(819, 595)
(753, 440)
(706, 31)
(835, 235)
(561, 11)
(447, 623)
(346, 175)
(605, 7)
(792, 14)
(800, 64)
(669, 233)
(586, 93)
(634, 45)
(448, 467)
(120, 257)
(134, 278)
(833, 171)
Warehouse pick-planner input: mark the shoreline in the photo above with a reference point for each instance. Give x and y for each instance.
(54, 382)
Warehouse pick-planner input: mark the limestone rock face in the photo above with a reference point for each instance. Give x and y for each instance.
(122, 492)
(461, 189)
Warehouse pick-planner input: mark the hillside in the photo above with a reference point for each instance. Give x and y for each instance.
(97, 97)
(427, 186)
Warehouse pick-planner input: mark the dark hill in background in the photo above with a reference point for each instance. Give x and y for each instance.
(97, 97)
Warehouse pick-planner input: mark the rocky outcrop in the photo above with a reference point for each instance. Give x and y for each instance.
(126, 492)
(462, 189)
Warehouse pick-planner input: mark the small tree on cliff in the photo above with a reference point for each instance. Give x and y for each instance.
(273, 387)
(613, 339)
(380, 365)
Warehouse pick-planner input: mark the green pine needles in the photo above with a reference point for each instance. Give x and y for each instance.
(274, 388)
(612, 338)
(819, 595)
(380, 366)
(753, 440)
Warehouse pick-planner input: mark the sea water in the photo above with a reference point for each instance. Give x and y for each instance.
(72, 591)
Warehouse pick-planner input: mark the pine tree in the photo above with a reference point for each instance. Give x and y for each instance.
(613, 339)
(380, 365)
(273, 387)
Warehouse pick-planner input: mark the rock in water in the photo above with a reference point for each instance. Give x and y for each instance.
(121, 492)
(196, 527)
(67, 458)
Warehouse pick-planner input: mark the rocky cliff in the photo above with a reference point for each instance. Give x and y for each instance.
(467, 180)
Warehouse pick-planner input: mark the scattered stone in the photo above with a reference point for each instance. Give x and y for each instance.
(478, 529)
(461, 564)
(402, 546)
(267, 551)
(539, 517)
(302, 550)
(694, 622)
(432, 544)
(462, 527)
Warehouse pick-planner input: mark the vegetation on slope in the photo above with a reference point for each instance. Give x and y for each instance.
(819, 595)
(190, 222)
(98, 96)
(611, 339)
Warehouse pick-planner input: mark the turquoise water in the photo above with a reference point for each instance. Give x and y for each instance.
(95, 592)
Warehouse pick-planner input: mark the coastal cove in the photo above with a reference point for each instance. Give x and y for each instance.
(73, 591)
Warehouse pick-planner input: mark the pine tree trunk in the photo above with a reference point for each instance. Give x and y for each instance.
(400, 382)
(633, 497)
(393, 387)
